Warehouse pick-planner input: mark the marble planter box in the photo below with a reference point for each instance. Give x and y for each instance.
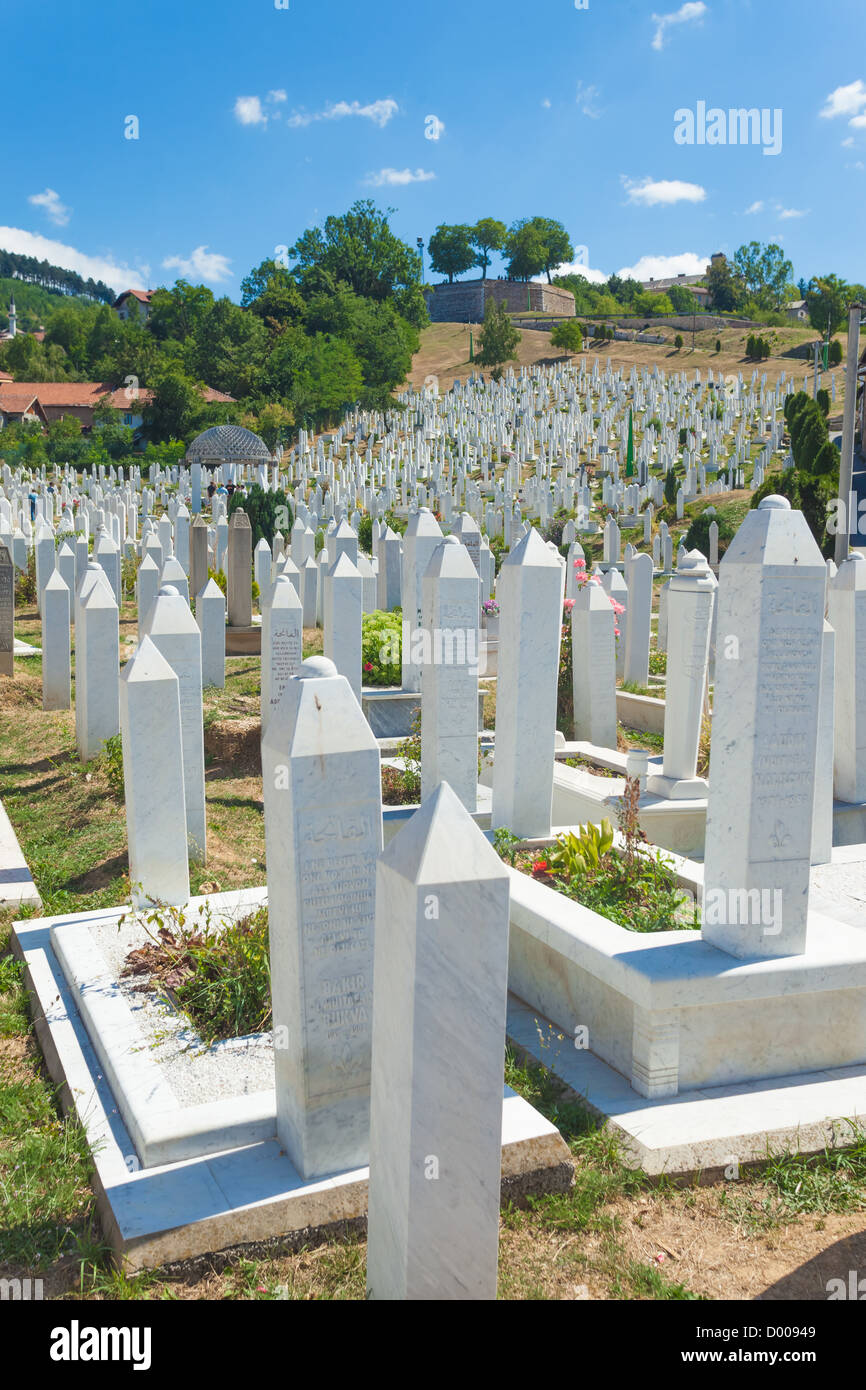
(17, 888)
(580, 796)
(389, 710)
(672, 1013)
(642, 712)
(179, 1178)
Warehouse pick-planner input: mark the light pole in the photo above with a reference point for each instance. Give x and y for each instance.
(420, 244)
(846, 465)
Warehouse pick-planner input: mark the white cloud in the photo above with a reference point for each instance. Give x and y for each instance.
(50, 202)
(695, 9)
(248, 110)
(665, 267)
(849, 143)
(585, 99)
(114, 273)
(278, 95)
(546, 103)
(379, 112)
(845, 101)
(201, 264)
(395, 178)
(651, 192)
(786, 214)
(595, 277)
(755, 207)
(858, 122)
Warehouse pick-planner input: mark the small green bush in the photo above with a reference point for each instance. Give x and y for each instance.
(382, 648)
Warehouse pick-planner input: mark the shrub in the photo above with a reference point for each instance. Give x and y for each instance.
(698, 534)
(672, 487)
(824, 401)
(382, 648)
(718, 345)
(678, 341)
(268, 512)
(112, 762)
(835, 354)
(365, 534)
(808, 494)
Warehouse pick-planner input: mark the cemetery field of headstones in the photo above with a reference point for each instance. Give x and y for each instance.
(608, 923)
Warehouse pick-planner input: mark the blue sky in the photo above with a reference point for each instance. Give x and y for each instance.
(255, 122)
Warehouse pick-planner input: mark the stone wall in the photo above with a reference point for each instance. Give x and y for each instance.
(465, 299)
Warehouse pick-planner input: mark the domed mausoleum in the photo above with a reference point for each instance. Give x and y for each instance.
(227, 444)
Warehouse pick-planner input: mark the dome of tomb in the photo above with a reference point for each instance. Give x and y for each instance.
(227, 444)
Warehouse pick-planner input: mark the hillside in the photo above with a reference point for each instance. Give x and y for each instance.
(444, 353)
(34, 304)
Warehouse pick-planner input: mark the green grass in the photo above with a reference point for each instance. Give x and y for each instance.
(45, 1171)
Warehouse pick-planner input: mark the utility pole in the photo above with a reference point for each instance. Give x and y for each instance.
(846, 466)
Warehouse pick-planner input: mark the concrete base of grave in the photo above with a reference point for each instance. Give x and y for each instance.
(674, 788)
(22, 649)
(580, 796)
(715, 1131)
(389, 710)
(244, 641)
(668, 1015)
(174, 1183)
(17, 888)
(395, 817)
(642, 712)
(849, 823)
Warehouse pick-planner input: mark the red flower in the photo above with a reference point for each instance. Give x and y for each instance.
(368, 665)
(540, 867)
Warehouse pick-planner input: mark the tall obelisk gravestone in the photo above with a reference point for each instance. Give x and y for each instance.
(765, 731)
(7, 613)
(323, 832)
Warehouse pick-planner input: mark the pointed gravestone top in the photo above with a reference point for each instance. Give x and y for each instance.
(530, 550)
(437, 846)
(344, 567)
(147, 663)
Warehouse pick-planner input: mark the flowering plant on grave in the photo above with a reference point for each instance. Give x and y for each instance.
(490, 607)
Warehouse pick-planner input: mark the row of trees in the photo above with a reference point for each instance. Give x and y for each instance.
(532, 246)
(334, 322)
(52, 277)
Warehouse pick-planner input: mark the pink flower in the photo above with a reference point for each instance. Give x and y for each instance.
(568, 605)
(368, 665)
(617, 607)
(580, 564)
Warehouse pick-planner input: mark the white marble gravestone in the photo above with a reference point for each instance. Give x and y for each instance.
(847, 615)
(153, 778)
(97, 658)
(593, 662)
(323, 829)
(174, 631)
(210, 614)
(282, 644)
(765, 728)
(342, 620)
(449, 675)
(530, 626)
(441, 978)
(691, 595)
(56, 644)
